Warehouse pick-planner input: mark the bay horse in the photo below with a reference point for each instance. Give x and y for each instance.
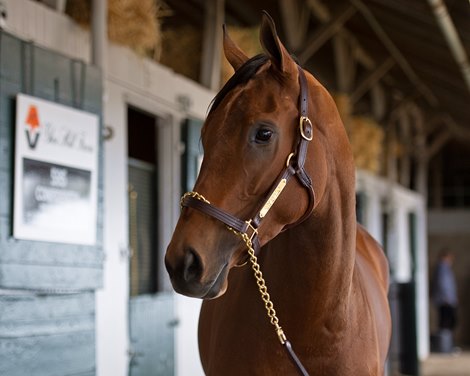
(276, 154)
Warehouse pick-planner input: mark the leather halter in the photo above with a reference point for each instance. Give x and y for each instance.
(294, 167)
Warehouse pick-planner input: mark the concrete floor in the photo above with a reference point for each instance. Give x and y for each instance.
(447, 365)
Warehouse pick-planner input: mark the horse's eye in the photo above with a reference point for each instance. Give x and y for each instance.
(263, 135)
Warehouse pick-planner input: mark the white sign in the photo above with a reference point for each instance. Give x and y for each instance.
(56, 167)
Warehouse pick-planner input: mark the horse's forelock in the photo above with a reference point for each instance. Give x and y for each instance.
(241, 76)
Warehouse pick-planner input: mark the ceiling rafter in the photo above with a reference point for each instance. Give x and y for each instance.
(325, 32)
(372, 79)
(395, 52)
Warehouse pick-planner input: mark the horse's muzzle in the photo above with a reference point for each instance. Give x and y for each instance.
(186, 275)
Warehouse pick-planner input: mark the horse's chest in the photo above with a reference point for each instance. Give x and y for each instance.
(239, 340)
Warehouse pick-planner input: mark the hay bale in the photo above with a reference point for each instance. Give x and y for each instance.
(367, 137)
(182, 49)
(133, 23)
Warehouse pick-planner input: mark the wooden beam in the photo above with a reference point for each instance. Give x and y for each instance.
(319, 37)
(405, 138)
(445, 120)
(378, 101)
(320, 10)
(436, 183)
(324, 15)
(212, 44)
(372, 79)
(395, 52)
(438, 143)
(295, 20)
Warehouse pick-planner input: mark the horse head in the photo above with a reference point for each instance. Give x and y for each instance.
(249, 137)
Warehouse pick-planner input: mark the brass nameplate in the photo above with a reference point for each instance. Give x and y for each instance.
(273, 198)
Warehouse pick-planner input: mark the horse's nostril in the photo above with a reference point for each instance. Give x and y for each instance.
(192, 265)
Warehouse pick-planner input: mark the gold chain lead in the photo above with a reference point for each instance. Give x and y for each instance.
(263, 289)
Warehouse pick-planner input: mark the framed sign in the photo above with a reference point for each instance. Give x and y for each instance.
(56, 167)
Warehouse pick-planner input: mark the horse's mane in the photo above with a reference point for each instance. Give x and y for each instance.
(241, 76)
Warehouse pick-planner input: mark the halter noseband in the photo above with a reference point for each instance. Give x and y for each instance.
(294, 166)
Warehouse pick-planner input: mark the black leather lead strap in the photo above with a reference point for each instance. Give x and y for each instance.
(293, 356)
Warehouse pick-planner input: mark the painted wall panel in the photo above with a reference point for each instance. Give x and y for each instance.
(28, 252)
(92, 90)
(51, 75)
(35, 21)
(5, 190)
(5, 150)
(52, 355)
(32, 307)
(8, 91)
(52, 278)
(47, 335)
(10, 62)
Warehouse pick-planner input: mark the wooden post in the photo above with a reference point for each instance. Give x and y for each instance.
(295, 19)
(212, 44)
(422, 173)
(405, 139)
(378, 101)
(391, 138)
(345, 63)
(437, 192)
(99, 28)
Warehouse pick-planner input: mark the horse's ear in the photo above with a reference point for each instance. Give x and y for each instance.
(235, 56)
(273, 46)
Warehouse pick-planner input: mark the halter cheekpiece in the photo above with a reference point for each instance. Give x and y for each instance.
(248, 229)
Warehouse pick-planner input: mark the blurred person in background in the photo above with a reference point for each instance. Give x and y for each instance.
(444, 291)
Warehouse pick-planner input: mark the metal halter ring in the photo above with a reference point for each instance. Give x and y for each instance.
(289, 158)
(252, 228)
(303, 120)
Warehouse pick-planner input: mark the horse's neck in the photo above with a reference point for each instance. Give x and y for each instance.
(317, 257)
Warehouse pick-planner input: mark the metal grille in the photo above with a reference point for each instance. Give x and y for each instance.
(142, 228)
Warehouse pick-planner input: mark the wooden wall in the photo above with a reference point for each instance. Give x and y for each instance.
(47, 300)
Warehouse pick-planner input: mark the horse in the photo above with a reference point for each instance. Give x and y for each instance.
(276, 189)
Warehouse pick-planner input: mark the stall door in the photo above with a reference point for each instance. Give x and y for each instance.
(150, 309)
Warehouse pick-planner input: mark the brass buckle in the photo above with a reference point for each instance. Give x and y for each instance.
(250, 226)
(303, 120)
